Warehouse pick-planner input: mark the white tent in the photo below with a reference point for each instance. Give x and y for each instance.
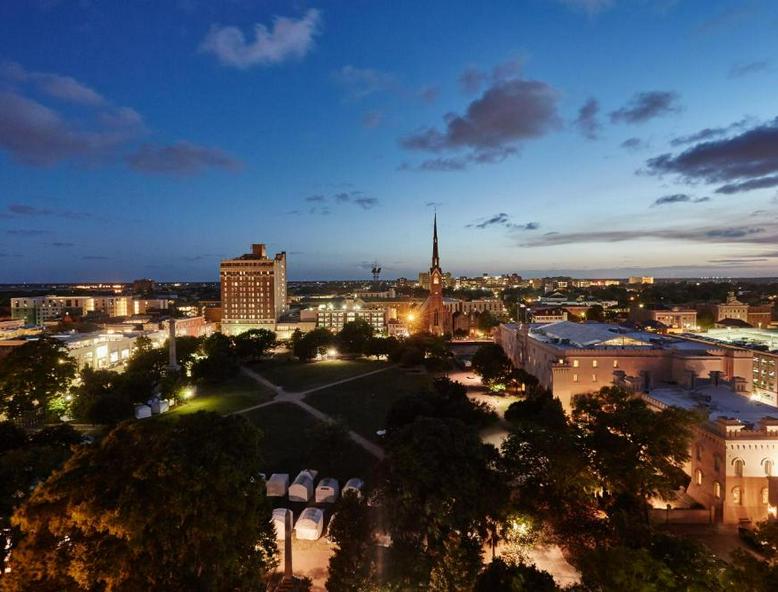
(302, 488)
(310, 524)
(327, 491)
(354, 485)
(279, 521)
(160, 406)
(142, 411)
(277, 485)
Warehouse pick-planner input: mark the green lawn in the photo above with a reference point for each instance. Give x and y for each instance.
(295, 376)
(287, 449)
(364, 403)
(236, 393)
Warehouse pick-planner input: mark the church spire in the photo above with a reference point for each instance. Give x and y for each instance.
(435, 257)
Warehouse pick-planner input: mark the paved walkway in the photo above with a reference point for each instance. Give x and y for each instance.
(297, 398)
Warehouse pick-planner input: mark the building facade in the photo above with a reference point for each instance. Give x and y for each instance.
(732, 309)
(253, 291)
(434, 317)
(40, 309)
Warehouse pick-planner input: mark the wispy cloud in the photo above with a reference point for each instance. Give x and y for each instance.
(645, 106)
(747, 68)
(287, 39)
(587, 122)
(17, 210)
(678, 198)
(504, 220)
(181, 158)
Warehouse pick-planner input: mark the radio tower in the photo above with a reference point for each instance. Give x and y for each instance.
(376, 271)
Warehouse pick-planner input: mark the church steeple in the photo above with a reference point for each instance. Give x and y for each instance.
(435, 257)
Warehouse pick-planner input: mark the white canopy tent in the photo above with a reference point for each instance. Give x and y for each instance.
(142, 411)
(279, 521)
(310, 524)
(327, 491)
(302, 488)
(354, 485)
(277, 485)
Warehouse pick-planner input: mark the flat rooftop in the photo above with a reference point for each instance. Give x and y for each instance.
(594, 335)
(752, 338)
(719, 400)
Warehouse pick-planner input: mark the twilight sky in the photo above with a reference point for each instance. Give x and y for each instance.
(594, 137)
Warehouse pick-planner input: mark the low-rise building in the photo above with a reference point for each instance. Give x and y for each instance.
(676, 319)
(36, 310)
(732, 309)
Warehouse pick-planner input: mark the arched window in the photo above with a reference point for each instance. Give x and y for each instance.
(739, 466)
(717, 490)
(768, 467)
(765, 496)
(698, 451)
(698, 477)
(736, 496)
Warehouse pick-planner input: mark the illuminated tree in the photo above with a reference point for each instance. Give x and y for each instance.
(253, 345)
(354, 337)
(155, 505)
(34, 378)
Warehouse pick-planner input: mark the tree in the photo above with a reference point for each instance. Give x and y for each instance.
(636, 452)
(253, 345)
(154, 506)
(487, 321)
(595, 313)
(501, 577)
(352, 566)
(312, 343)
(355, 336)
(34, 378)
(457, 566)
(219, 362)
(625, 570)
(492, 365)
(381, 346)
(439, 479)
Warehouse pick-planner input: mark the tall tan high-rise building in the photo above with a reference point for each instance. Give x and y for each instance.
(253, 291)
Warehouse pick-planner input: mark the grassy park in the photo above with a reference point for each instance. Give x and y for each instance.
(288, 446)
(295, 376)
(364, 403)
(235, 393)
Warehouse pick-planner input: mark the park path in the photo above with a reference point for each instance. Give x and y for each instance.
(297, 398)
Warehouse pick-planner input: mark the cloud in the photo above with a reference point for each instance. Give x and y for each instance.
(502, 219)
(587, 122)
(366, 203)
(737, 261)
(761, 183)
(320, 210)
(27, 232)
(372, 119)
(746, 161)
(590, 7)
(679, 198)
(429, 94)
(181, 158)
(17, 209)
(342, 197)
(645, 106)
(57, 86)
(633, 144)
(62, 245)
(315, 198)
(36, 135)
(709, 133)
(727, 18)
(288, 39)
(471, 79)
(765, 234)
(433, 204)
(506, 114)
(744, 69)
(363, 82)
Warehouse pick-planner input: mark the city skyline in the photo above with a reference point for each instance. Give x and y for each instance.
(554, 137)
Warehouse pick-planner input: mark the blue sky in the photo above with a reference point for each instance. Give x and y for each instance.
(595, 137)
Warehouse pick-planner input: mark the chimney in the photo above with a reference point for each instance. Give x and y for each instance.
(259, 250)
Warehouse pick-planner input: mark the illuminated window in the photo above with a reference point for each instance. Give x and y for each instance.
(594, 363)
(698, 477)
(615, 363)
(717, 490)
(594, 378)
(736, 496)
(768, 467)
(575, 363)
(575, 378)
(739, 466)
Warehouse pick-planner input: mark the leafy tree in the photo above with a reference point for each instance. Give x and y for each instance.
(312, 343)
(381, 346)
(492, 365)
(329, 446)
(438, 479)
(694, 567)
(457, 567)
(34, 377)
(746, 572)
(186, 349)
(637, 453)
(352, 566)
(154, 506)
(253, 345)
(219, 362)
(487, 321)
(355, 336)
(595, 313)
(625, 570)
(501, 577)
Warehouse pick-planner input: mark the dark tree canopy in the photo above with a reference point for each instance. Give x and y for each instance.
(306, 346)
(354, 337)
(155, 505)
(254, 344)
(352, 567)
(492, 365)
(499, 576)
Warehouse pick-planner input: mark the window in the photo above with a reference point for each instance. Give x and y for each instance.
(768, 467)
(716, 463)
(594, 378)
(717, 490)
(575, 378)
(765, 495)
(739, 466)
(736, 496)
(698, 451)
(615, 363)
(594, 363)
(575, 363)
(698, 477)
